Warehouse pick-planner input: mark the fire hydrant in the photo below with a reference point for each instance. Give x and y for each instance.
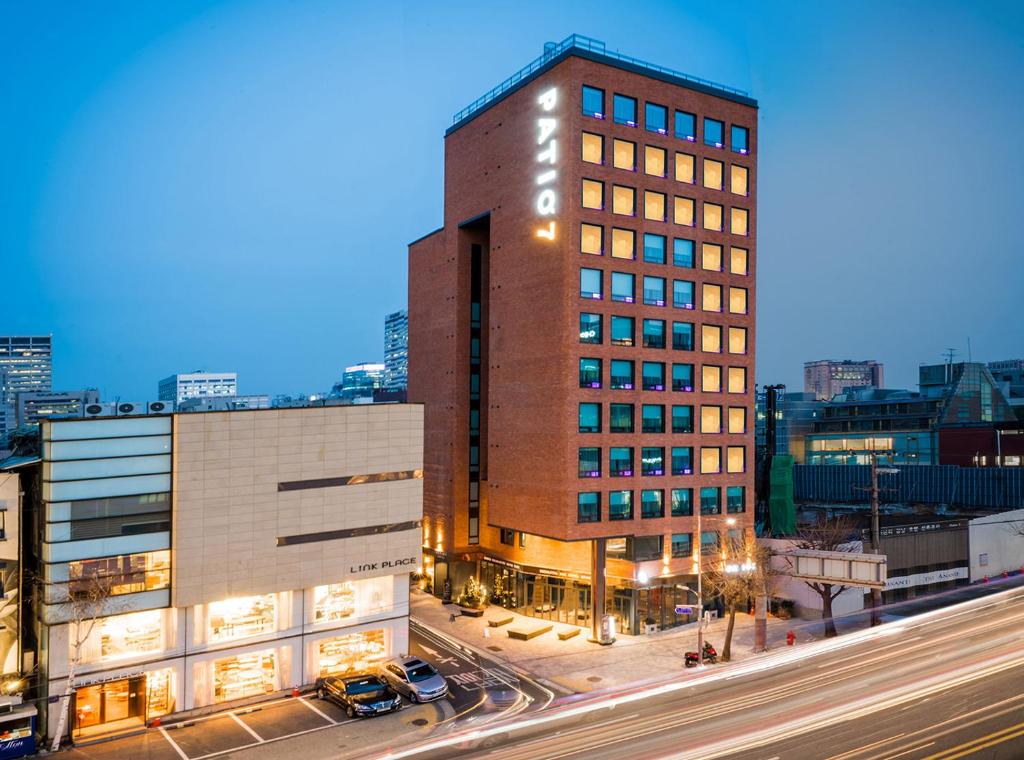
(790, 638)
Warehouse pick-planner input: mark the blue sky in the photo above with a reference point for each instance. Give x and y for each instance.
(232, 186)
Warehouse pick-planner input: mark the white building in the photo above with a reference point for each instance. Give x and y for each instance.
(244, 553)
(178, 388)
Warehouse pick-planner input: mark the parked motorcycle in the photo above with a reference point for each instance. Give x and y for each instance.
(710, 655)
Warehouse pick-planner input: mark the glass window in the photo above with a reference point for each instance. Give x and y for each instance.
(738, 260)
(623, 331)
(738, 181)
(711, 299)
(590, 328)
(709, 542)
(335, 601)
(653, 291)
(714, 132)
(686, 126)
(740, 139)
(682, 544)
(589, 462)
(623, 244)
(591, 283)
(654, 161)
(711, 339)
(682, 378)
(735, 459)
(624, 154)
(654, 333)
(120, 636)
(620, 418)
(738, 221)
(654, 206)
(682, 253)
(652, 418)
(623, 287)
(711, 379)
(241, 617)
(588, 507)
(253, 673)
(620, 461)
(710, 500)
(737, 340)
(737, 380)
(711, 257)
(592, 239)
(710, 460)
(653, 374)
(593, 148)
(652, 461)
(738, 300)
(593, 102)
(656, 118)
(711, 419)
(712, 216)
(620, 505)
(682, 419)
(593, 194)
(735, 499)
(682, 460)
(623, 200)
(685, 168)
(121, 574)
(682, 336)
(590, 418)
(654, 248)
(652, 504)
(622, 375)
(682, 502)
(682, 294)
(624, 110)
(714, 174)
(590, 373)
(683, 211)
(737, 419)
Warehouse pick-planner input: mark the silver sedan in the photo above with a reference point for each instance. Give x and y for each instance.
(416, 679)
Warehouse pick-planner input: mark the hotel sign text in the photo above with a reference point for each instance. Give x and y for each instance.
(547, 197)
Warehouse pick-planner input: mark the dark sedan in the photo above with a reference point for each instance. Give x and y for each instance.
(362, 695)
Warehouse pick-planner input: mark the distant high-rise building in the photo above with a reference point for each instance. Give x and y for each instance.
(31, 407)
(359, 382)
(178, 388)
(396, 350)
(26, 366)
(825, 378)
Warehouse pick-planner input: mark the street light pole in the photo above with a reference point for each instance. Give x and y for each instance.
(700, 589)
(876, 540)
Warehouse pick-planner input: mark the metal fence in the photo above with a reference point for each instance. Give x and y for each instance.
(995, 487)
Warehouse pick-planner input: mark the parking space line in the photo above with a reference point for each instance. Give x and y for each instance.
(242, 723)
(319, 712)
(220, 752)
(174, 744)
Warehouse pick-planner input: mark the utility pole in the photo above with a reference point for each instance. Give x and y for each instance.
(700, 589)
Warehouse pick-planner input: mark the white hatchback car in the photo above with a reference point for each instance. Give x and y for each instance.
(416, 679)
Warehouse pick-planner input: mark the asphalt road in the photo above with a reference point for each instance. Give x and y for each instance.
(942, 685)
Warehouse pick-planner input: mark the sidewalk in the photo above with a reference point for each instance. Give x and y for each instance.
(578, 665)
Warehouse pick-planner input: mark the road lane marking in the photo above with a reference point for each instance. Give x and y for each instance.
(174, 744)
(242, 723)
(976, 745)
(319, 712)
(914, 749)
(857, 751)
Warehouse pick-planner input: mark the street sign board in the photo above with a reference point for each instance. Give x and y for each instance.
(842, 568)
(682, 609)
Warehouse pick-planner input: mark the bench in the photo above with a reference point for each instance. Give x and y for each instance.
(568, 634)
(498, 622)
(525, 635)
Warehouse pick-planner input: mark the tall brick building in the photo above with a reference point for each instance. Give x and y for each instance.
(582, 337)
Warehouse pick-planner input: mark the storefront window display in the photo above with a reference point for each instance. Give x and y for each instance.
(241, 617)
(110, 702)
(352, 653)
(121, 636)
(123, 574)
(245, 675)
(159, 692)
(352, 599)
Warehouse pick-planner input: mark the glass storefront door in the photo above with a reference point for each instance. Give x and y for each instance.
(109, 702)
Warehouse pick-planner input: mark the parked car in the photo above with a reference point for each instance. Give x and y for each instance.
(416, 679)
(361, 695)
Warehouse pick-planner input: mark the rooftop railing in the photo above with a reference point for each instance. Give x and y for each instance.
(554, 49)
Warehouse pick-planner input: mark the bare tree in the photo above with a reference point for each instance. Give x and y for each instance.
(832, 536)
(743, 573)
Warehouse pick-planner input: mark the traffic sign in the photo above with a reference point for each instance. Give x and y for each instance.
(683, 609)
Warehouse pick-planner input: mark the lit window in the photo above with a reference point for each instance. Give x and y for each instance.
(592, 239)
(593, 194)
(738, 224)
(682, 336)
(121, 636)
(622, 375)
(338, 655)
(738, 261)
(654, 206)
(620, 418)
(735, 499)
(711, 379)
(590, 418)
(686, 126)
(711, 419)
(652, 376)
(593, 148)
(714, 173)
(656, 118)
(711, 339)
(682, 378)
(712, 216)
(682, 253)
(241, 617)
(711, 257)
(623, 331)
(682, 419)
(737, 340)
(122, 574)
(711, 299)
(623, 244)
(737, 419)
(338, 601)
(590, 373)
(620, 505)
(682, 294)
(652, 461)
(654, 291)
(710, 460)
(654, 161)
(591, 329)
(654, 333)
(654, 248)
(588, 507)
(738, 183)
(623, 287)
(593, 102)
(683, 213)
(684, 168)
(713, 132)
(740, 142)
(736, 459)
(623, 200)
(620, 461)
(738, 300)
(737, 380)
(624, 110)
(623, 154)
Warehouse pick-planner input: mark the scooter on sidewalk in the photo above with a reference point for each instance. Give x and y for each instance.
(710, 655)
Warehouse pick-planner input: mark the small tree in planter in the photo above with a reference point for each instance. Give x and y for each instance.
(473, 596)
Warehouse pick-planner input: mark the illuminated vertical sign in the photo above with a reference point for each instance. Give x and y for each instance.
(547, 174)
